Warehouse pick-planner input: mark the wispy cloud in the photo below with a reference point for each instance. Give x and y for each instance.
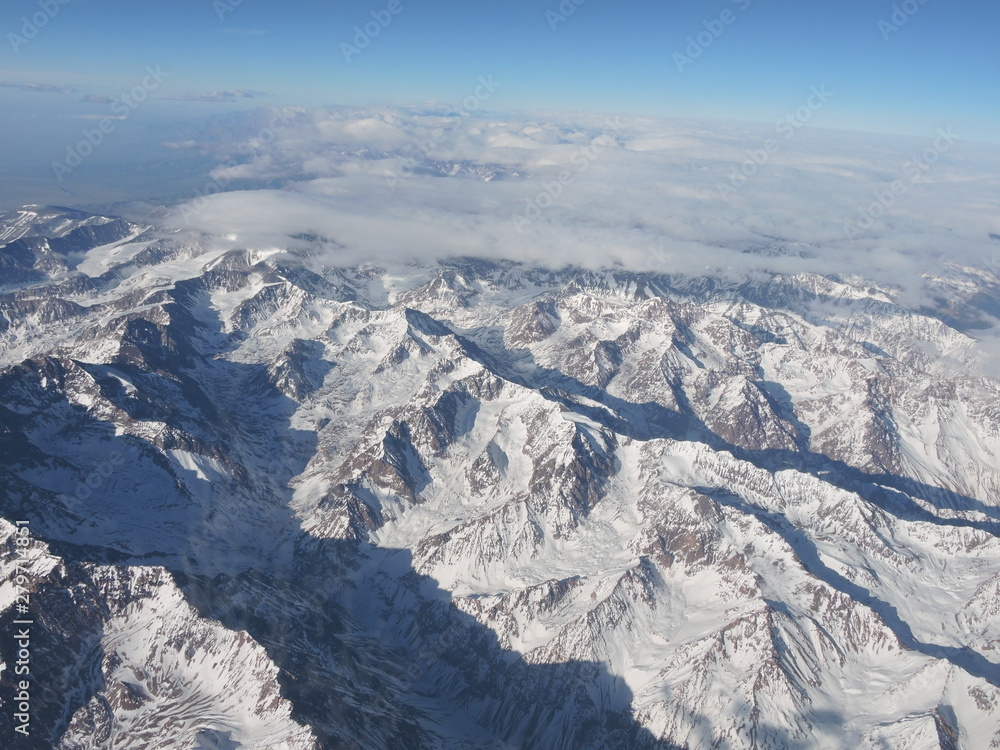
(97, 99)
(219, 96)
(44, 88)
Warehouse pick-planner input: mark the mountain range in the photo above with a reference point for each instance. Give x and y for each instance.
(277, 500)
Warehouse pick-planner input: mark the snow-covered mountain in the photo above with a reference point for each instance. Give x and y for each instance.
(276, 501)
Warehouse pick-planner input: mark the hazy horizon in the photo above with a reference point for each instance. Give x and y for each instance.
(152, 74)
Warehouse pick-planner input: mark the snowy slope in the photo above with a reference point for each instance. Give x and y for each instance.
(473, 504)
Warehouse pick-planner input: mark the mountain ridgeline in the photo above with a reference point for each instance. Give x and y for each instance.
(276, 502)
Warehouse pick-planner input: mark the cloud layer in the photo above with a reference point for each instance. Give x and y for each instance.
(42, 88)
(600, 192)
(218, 96)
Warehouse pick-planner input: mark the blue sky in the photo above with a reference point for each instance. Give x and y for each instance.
(938, 68)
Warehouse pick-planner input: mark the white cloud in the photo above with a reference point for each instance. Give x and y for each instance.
(645, 195)
(43, 88)
(219, 96)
